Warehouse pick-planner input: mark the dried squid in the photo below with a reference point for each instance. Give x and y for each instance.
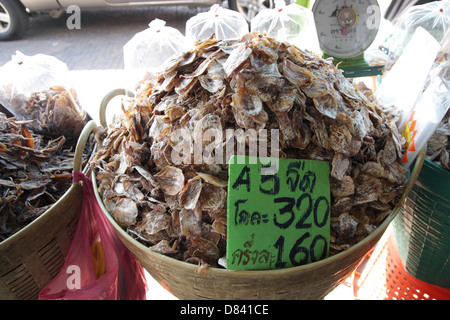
(177, 205)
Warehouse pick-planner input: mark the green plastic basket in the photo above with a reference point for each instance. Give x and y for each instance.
(422, 227)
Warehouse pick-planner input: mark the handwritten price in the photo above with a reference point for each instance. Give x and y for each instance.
(294, 207)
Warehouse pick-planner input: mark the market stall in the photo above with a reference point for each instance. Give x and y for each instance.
(249, 163)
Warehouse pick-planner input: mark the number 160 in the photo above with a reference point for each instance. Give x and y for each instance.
(299, 255)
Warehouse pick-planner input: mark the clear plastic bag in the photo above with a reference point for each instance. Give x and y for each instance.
(223, 23)
(149, 49)
(434, 17)
(292, 23)
(398, 87)
(431, 106)
(38, 88)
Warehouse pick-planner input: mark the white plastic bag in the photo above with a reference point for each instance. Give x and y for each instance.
(225, 24)
(38, 88)
(23, 75)
(431, 107)
(434, 17)
(403, 85)
(149, 49)
(292, 23)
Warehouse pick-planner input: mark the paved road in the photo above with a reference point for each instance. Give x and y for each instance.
(98, 44)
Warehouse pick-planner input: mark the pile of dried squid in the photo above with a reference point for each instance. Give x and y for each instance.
(179, 210)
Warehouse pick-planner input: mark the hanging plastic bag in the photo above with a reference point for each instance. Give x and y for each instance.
(225, 24)
(398, 87)
(431, 107)
(292, 23)
(434, 17)
(37, 88)
(98, 266)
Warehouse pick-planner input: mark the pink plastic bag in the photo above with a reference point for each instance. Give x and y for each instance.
(98, 266)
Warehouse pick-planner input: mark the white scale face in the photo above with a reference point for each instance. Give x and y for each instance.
(346, 27)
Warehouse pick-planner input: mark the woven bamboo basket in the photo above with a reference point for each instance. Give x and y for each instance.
(311, 281)
(33, 256)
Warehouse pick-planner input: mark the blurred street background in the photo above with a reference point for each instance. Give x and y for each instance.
(98, 44)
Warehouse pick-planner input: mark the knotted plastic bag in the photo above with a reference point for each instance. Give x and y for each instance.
(98, 266)
(434, 17)
(38, 88)
(148, 50)
(292, 23)
(223, 23)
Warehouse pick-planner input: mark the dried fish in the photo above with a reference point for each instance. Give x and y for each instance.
(57, 112)
(252, 83)
(35, 171)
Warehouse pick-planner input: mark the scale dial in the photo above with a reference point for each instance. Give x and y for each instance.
(346, 28)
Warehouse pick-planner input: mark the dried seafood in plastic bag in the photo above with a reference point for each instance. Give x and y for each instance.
(248, 84)
(38, 88)
(57, 113)
(35, 171)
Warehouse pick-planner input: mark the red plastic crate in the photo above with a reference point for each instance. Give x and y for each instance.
(381, 276)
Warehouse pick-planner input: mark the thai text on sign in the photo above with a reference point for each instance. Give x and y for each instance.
(279, 217)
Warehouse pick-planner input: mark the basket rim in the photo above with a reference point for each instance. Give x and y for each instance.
(47, 213)
(380, 229)
(440, 170)
(414, 173)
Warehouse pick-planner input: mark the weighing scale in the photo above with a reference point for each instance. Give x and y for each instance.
(346, 28)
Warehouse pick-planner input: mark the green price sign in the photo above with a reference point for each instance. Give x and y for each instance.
(278, 212)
